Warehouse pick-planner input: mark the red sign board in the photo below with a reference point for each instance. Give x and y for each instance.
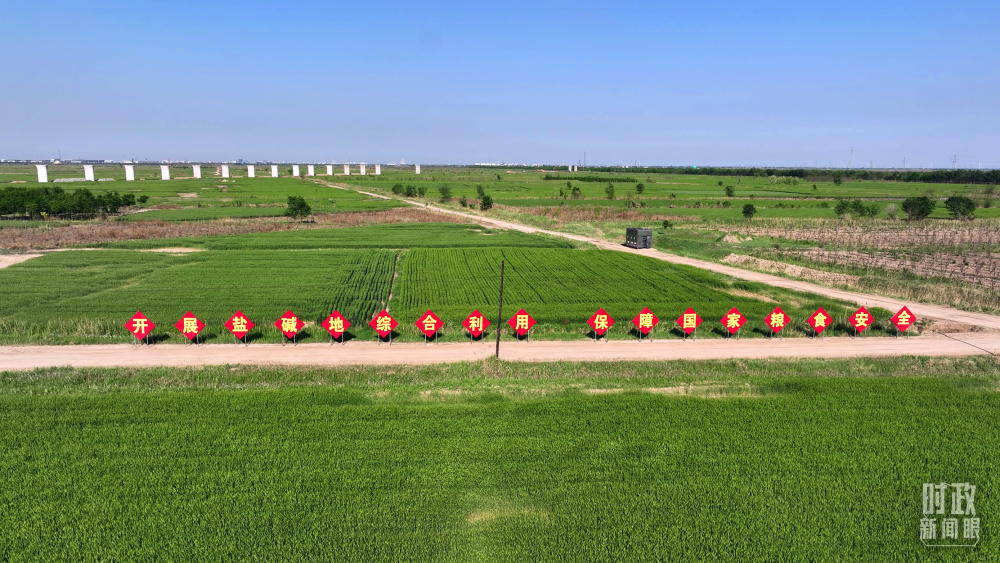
(239, 324)
(289, 324)
(688, 321)
(189, 325)
(383, 323)
(476, 323)
(139, 325)
(903, 319)
(600, 321)
(861, 319)
(521, 322)
(820, 320)
(733, 320)
(777, 319)
(645, 320)
(429, 323)
(336, 324)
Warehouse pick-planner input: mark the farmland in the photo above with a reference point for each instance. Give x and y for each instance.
(86, 296)
(730, 461)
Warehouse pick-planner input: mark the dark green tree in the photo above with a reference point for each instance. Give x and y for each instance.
(610, 191)
(730, 191)
(445, 192)
(918, 208)
(749, 211)
(639, 188)
(486, 203)
(297, 207)
(961, 207)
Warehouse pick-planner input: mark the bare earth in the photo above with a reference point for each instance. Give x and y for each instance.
(370, 353)
(11, 259)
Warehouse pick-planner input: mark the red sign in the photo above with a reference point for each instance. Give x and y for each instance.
(521, 322)
(600, 321)
(861, 319)
(239, 325)
(903, 319)
(190, 325)
(645, 320)
(476, 323)
(733, 321)
(429, 323)
(139, 325)
(688, 321)
(777, 319)
(819, 320)
(336, 324)
(289, 324)
(383, 323)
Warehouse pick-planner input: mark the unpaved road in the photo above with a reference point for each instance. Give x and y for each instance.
(984, 320)
(353, 353)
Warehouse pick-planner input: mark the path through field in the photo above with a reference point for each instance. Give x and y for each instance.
(354, 353)
(922, 310)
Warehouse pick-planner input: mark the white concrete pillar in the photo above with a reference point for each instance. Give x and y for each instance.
(347, 170)
(329, 170)
(197, 170)
(418, 169)
(274, 170)
(378, 169)
(129, 172)
(164, 172)
(310, 170)
(362, 167)
(88, 172)
(225, 170)
(295, 170)
(43, 172)
(250, 171)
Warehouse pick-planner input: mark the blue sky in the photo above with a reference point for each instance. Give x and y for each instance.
(694, 83)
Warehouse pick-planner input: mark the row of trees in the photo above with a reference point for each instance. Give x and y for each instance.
(55, 202)
(987, 177)
(916, 208)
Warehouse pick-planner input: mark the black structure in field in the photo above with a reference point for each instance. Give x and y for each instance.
(639, 238)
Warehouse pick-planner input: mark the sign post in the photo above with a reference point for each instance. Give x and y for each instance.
(689, 321)
(522, 322)
(190, 325)
(600, 323)
(476, 324)
(733, 321)
(819, 321)
(289, 325)
(644, 323)
(500, 309)
(903, 319)
(240, 326)
(777, 320)
(860, 320)
(336, 325)
(383, 325)
(140, 327)
(429, 324)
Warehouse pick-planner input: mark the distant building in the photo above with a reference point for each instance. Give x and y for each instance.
(638, 238)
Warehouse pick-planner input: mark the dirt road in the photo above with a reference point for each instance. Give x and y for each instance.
(921, 310)
(353, 353)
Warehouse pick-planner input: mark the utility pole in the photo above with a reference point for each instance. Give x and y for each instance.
(904, 163)
(954, 160)
(851, 161)
(500, 310)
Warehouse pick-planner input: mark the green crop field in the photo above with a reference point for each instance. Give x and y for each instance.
(753, 461)
(86, 296)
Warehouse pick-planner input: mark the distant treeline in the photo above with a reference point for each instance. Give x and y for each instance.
(934, 176)
(615, 179)
(57, 201)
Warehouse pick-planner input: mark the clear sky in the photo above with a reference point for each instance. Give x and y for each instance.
(698, 82)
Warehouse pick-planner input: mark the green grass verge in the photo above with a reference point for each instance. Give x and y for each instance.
(494, 461)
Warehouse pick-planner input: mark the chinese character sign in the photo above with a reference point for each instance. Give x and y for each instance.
(688, 321)
(819, 320)
(336, 324)
(139, 325)
(189, 325)
(429, 323)
(861, 319)
(940, 525)
(645, 320)
(777, 319)
(239, 325)
(903, 319)
(289, 324)
(521, 322)
(600, 322)
(383, 323)
(733, 320)
(476, 323)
